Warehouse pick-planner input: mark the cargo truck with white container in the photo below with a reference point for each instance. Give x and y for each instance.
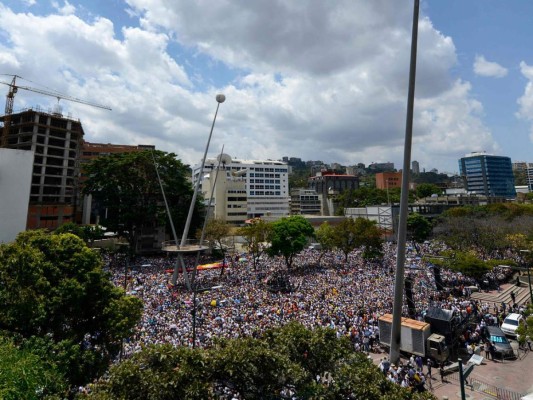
(416, 338)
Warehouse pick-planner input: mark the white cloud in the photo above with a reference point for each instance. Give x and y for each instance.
(307, 79)
(525, 103)
(65, 9)
(29, 3)
(483, 67)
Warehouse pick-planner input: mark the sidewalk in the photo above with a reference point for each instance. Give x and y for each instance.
(512, 375)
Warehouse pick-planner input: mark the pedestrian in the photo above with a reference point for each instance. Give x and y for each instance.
(513, 297)
(428, 381)
(429, 365)
(492, 351)
(487, 350)
(419, 362)
(441, 370)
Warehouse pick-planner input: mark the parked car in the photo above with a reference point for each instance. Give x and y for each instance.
(501, 343)
(510, 323)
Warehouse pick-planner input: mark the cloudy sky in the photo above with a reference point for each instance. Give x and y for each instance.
(315, 79)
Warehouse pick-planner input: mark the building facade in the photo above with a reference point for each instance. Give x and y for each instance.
(266, 183)
(16, 168)
(415, 167)
(487, 174)
(56, 143)
(388, 180)
(225, 194)
(328, 185)
(305, 202)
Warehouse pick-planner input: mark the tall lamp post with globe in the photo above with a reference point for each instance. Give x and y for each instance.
(183, 247)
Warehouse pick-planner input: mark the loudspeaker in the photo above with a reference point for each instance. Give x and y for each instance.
(438, 279)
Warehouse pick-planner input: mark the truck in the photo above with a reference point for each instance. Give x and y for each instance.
(416, 338)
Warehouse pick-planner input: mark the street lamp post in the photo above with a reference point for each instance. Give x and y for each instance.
(220, 98)
(394, 355)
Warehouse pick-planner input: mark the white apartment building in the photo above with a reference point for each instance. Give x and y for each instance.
(266, 183)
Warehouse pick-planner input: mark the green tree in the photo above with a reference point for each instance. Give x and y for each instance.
(370, 237)
(525, 330)
(25, 375)
(89, 233)
(466, 262)
(282, 359)
(255, 235)
(484, 227)
(289, 236)
(127, 187)
(351, 234)
(217, 232)
(55, 295)
(325, 236)
(418, 227)
(426, 190)
(345, 237)
(159, 373)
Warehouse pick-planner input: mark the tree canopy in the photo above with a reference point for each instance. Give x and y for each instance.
(57, 301)
(418, 227)
(88, 233)
(426, 190)
(255, 235)
(288, 236)
(126, 188)
(25, 375)
(485, 227)
(325, 236)
(283, 363)
(359, 232)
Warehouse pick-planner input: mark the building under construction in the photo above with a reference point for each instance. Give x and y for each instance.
(56, 142)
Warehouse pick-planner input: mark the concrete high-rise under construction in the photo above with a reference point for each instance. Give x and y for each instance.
(56, 142)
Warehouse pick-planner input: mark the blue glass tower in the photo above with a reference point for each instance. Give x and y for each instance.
(488, 175)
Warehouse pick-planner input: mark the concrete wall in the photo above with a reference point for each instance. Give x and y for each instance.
(16, 168)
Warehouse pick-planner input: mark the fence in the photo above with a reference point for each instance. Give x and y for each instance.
(487, 388)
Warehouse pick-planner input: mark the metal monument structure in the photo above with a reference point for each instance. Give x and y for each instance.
(184, 246)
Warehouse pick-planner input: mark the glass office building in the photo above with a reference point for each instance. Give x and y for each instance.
(488, 175)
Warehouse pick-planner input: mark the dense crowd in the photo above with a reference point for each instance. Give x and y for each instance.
(327, 291)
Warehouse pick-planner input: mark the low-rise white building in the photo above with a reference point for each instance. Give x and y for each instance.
(266, 183)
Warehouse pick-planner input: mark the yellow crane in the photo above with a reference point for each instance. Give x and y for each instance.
(10, 97)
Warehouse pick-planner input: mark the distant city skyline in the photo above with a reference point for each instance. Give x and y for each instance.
(325, 80)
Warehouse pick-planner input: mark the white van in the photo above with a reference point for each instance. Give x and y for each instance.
(510, 323)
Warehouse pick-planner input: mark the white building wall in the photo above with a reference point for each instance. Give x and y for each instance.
(267, 183)
(16, 167)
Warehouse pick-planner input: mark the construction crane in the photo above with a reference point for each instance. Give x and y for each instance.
(10, 97)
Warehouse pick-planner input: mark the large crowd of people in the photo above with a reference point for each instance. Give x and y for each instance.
(325, 291)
